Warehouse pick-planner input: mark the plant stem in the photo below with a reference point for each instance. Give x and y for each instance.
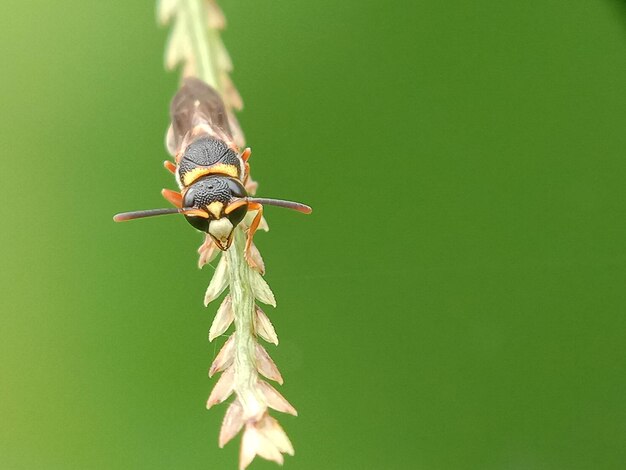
(243, 305)
(195, 44)
(203, 41)
(206, 61)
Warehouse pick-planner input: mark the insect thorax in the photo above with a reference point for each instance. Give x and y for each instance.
(208, 156)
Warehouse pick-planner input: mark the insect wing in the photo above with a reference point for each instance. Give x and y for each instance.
(197, 110)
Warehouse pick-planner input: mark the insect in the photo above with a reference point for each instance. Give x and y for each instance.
(211, 172)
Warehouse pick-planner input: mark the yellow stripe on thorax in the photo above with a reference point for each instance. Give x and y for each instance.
(219, 168)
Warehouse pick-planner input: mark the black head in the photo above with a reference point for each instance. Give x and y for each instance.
(216, 205)
(213, 195)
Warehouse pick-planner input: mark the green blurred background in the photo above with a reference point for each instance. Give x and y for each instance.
(456, 301)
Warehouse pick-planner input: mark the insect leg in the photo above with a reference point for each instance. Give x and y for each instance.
(169, 166)
(172, 196)
(253, 226)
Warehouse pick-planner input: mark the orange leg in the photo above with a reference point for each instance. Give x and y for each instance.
(253, 226)
(172, 196)
(245, 155)
(169, 166)
(246, 172)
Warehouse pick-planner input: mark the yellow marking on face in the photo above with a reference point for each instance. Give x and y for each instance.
(215, 208)
(235, 205)
(219, 169)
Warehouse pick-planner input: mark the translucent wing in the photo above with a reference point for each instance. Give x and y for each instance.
(197, 110)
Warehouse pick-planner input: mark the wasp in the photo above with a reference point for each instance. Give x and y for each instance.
(211, 172)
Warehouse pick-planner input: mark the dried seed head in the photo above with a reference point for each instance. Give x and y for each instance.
(224, 358)
(263, 327)
(263, 225)
(261, 290)
(165, 10)
(265, 365)
(264, 438)
(241, 358)
(216, 18)
(207, 251)
(274, 399)
(218, 282)
(272, 430)
(255, 443)
(231, 95)
(223, 319)
(256, 259)
(232, 423)
(251, 400)
(223, 388)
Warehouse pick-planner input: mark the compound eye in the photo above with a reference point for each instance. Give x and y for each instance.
(237, 215)
(190, 198)
(200, 223)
